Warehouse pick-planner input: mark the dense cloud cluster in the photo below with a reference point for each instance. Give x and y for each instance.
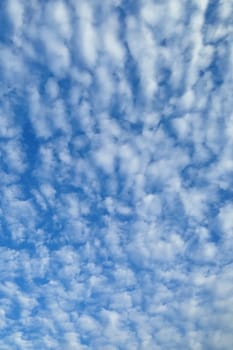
(116, 172)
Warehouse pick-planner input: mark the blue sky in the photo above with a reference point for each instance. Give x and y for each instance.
(116, 175)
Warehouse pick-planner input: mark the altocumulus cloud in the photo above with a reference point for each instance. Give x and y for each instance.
(116, 169)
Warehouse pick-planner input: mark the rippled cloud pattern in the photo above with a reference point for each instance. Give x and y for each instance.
(116, 175)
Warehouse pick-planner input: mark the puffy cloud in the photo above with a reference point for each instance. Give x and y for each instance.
(116, 175)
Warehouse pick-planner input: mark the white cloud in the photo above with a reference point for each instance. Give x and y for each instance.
(87, 40)
(116, 175)
(16, 12)
(58, 14)
(52, 88)
(58, 55)
(226, 220)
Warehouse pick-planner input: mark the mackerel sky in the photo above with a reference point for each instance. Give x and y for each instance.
(116, 175)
